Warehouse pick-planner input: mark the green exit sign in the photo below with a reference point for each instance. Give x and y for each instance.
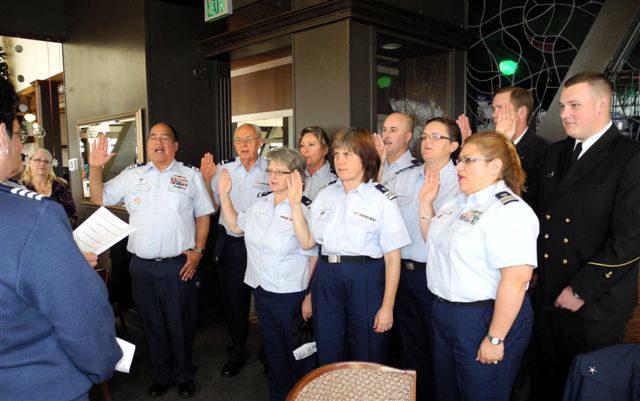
(214, 9)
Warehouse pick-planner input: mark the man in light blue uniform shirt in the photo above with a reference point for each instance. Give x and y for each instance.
(248, 179)
(393, 147)
(169, 207)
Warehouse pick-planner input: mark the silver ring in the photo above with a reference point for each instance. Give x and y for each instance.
(495, 362)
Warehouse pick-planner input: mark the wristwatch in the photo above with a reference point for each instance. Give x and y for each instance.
(494, 340)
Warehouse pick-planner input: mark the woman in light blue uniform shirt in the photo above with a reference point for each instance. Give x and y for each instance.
(481, 252)
(314, 146)
(277, 268)
(360, 230)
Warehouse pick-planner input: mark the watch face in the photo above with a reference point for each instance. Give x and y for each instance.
(495, 341)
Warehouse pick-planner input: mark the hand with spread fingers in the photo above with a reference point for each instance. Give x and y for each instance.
(224, 185)
(99, 155)
(294, 188)
(380, 147)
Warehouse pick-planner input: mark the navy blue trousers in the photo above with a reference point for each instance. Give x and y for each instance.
(168, 308)
(345, 299)
(236, 296)
(276, 313)
(414, 303)
(458, 331)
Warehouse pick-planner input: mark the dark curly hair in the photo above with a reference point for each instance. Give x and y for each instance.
(8, 105)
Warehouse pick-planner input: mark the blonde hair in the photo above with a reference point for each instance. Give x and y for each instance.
(27, 174)
(494, 145)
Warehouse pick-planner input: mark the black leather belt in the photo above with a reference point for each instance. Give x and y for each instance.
(333, 259)
(409, 264)
(483, 303)
(165, 260)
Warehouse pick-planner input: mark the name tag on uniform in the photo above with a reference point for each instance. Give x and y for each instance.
(472, 216)
(364, 216)
(179, 182)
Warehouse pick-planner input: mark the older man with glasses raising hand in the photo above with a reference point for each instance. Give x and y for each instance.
(247, 172)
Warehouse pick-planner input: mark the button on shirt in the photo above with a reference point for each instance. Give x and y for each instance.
(275, 260)
(471, 239)
(245, 185)
(407, 187)
(362, 222)
(162, 206)
(390, 169)
(313, 183)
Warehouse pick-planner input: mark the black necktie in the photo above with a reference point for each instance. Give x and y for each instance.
(574, 156)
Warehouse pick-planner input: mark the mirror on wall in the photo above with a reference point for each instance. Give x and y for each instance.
(124, 135)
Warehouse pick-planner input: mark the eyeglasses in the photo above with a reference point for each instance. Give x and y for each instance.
(433, 137)
(161, 138)
(277, 173)
(45, 161)
(470, 159)
(245, 139)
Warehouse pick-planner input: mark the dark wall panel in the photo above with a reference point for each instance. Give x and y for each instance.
(34, 19)
(104, 65)
(452, 11)
(180, 82)
(262, 91)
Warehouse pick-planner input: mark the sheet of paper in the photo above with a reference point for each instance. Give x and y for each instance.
(100, 231)
(128, 349)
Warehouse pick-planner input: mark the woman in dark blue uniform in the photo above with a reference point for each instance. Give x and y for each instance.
(277, 268)
(360, 230)
(481, 251)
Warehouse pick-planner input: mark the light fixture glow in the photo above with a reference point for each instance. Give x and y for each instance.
(391, 46)
(508, 67)
(29, 117)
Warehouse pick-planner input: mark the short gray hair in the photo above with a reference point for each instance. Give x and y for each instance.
(290, 158)
(257, 130)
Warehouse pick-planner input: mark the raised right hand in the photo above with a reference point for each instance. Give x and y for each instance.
(380, 148)
(429, 190)
(224, 185)
(207, 167)
(465, 126)
(98, 156)
(294, 188)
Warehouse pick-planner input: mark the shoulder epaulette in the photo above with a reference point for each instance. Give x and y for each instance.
(385, 191)
(227, 161)
(194, 168)
(506, 197)
(414, 164)
(134, 165)
(332, 170)
(22, 192)
(332, 182)
(263, 194)
(306, 201)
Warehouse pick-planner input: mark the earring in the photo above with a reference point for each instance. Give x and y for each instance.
(4, 152)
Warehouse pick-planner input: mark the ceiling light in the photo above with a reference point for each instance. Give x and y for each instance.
(392, 46)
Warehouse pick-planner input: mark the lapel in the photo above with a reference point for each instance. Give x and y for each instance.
(588, 161)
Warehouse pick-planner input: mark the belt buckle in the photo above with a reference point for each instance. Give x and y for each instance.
(333, 258)
(409, 266)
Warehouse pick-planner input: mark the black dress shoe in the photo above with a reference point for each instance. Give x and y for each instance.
(186, 390)
(158, 389)
(230, 369)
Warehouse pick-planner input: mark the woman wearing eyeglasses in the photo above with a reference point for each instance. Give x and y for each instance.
(481, 254)
(439, 142)
(314, 146)
(360, 230)
(38, 176)
(277, 267)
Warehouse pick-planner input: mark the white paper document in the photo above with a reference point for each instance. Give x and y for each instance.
(128, 349)
(100, 231)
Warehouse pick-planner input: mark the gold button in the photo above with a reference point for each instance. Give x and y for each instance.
(546, 236)
(547, 217)
(567, 220)
(565, 261)
(565, 240)
(546, 256)
(609, 274)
